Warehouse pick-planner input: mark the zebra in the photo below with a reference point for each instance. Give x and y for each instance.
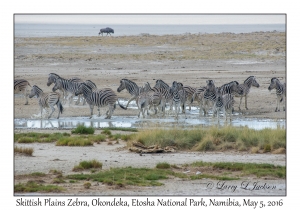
(224, 103)
(22, 86)
(209, 96)
(99, 98)
(190, 91)
(198, 97)
(149, 97)
(245, 87)
(52, 78)
(47, 100)
(164, 88)
(146, 100)
(68, 86)
(131, 87)
(280, 92)
(179, 97)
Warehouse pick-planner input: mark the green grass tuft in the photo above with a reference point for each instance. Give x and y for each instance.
(82, 129)
(92, 164)
(163, 165)
(31, 186)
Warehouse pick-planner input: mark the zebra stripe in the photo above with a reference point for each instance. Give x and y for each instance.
(280, 92)
(47, 100)
(99, 98)
(245, 89)
(21, 87)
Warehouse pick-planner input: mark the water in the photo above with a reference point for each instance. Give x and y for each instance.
(50, 30)
(135, 122)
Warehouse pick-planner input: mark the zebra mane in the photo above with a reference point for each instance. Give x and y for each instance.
(131, 82)
(54, 75)
(159, 80)
(37, 88)
(252, 77)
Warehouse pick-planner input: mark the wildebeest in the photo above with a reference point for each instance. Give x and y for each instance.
(106, 30)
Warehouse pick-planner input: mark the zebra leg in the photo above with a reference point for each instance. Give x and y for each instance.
(26, 97)
(51, 106)
(283, 106)
(277, 104)
(246, 102)
(98, 111)
(91, 108)
(130, 101)
(110, 112)
(240, 103)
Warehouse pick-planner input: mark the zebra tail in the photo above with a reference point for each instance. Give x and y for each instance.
(121, 105)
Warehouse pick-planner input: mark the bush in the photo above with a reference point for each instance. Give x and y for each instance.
(163, 165)
(82, 129)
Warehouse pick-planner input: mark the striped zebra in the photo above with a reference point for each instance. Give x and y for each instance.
(224, 103)
(209, 96)
(52, 79)
(198, 97)
(179, 97)
(164, 88)
(245, 89)
(69, 86)
(21, 86)
(280, 92)
(133, 89)
(148, 98)
(99, 98)
(190, 91)
(47, 100)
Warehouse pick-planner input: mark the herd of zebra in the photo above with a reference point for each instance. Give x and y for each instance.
(177, 95)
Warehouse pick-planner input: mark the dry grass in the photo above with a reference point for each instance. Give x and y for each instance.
(24, 151)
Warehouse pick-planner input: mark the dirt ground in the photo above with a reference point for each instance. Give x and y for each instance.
(191, 59)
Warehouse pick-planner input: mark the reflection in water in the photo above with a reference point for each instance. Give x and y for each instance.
(134, 122)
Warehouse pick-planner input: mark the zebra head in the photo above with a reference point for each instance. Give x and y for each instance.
(122, 85)
(51, 78)
(273, 83)
(161, 84)
(58, 85)
(210, 85)
(35, 90)
(255, 83)
(219, 94)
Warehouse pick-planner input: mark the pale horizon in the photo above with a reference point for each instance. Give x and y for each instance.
(150, 19)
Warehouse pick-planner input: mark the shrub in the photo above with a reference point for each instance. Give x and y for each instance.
(82, 129)
(163, 165)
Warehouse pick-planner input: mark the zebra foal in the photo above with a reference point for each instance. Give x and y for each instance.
(99, 98)
(209, 96)
(179, 97)
(21, 86)
(47, 100)
(280, 92)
